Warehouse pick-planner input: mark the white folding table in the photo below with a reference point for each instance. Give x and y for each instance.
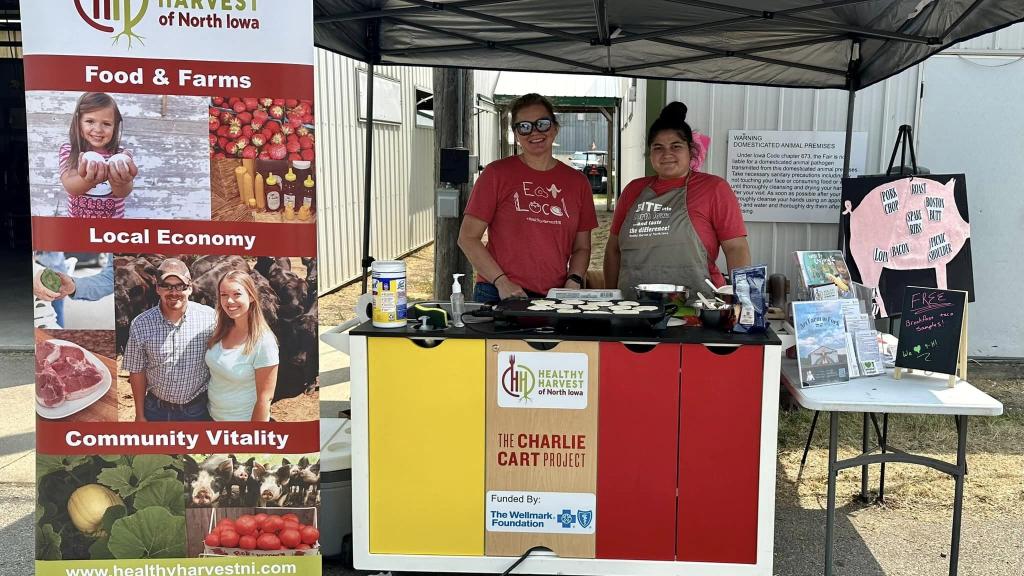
(914, 394)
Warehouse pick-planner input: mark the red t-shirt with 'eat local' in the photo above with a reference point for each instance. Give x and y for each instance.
(532, 219)
(714, 211)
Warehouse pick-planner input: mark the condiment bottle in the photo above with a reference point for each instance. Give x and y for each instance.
(272, 186)
(290, 189)
(309, 194)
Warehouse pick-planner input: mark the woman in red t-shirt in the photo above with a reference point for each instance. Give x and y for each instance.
(537, 212)
(667, 229)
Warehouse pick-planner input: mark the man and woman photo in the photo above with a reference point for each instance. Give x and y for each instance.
(188, 361)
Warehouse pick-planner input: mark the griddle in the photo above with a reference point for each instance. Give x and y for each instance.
(516, 310)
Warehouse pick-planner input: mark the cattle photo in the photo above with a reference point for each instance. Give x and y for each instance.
(285, 294)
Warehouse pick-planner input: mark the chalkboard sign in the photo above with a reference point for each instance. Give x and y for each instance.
(933, 336)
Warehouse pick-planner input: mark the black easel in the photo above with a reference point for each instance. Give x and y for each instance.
(904, 142)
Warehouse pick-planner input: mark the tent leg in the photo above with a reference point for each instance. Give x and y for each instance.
(846, 150)
(368, 174)
(849, 133)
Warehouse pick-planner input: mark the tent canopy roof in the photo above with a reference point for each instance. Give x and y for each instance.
(798, 43)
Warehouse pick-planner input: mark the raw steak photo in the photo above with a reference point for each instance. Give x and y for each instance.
(63, 373)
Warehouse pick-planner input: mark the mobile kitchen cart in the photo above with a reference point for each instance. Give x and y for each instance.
(675, 450)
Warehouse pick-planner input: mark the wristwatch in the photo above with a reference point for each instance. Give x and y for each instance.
(575, 278)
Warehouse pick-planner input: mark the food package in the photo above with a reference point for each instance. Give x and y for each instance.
(749, 295)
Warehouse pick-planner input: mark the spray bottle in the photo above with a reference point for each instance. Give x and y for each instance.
(458, 302)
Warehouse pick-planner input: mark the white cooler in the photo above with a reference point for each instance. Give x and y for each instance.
(335, 486)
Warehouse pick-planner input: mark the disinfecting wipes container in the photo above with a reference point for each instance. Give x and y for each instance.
(388, 294)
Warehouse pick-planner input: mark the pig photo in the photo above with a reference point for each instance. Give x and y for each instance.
(251, 480)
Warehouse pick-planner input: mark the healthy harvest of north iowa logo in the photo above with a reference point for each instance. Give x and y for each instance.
(114, 16)
(518, 381)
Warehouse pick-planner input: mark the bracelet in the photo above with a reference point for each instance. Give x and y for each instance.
(496, 278)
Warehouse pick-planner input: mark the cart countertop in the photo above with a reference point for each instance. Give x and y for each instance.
(673, 334)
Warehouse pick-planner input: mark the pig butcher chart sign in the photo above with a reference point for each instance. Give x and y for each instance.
(911, 231)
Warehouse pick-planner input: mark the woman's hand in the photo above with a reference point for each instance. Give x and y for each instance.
(509, 289)
(92, 172)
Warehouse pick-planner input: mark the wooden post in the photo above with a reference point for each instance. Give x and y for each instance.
(452, 111)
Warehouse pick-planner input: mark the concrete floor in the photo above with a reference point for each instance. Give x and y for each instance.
(15, 300)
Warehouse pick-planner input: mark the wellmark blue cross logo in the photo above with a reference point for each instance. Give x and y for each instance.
(566, 518)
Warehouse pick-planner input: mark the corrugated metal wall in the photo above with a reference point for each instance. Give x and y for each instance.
(403, 172)
(581, 131)
(487, 122)
(633, 120)
(11, 51)
(1007, 39)
(715, 109)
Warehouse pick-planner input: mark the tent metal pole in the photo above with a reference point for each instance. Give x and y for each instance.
(853, 82)
(368, 174)
(846, 153)
(849, 131)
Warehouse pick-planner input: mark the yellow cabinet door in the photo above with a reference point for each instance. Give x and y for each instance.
(426, 447)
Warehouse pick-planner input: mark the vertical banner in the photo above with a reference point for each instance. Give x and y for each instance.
(173, 188)
(541, 484)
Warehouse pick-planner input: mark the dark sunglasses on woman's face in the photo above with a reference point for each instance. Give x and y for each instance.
(541, 125)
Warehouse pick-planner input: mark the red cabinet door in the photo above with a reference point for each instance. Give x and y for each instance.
(638, 428)
(719, 453)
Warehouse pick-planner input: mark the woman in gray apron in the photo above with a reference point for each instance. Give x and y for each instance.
(668, 228)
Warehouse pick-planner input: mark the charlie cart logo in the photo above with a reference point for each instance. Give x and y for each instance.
(518, 382)
(104, 15)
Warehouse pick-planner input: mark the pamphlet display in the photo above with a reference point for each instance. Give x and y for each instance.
(821, 346)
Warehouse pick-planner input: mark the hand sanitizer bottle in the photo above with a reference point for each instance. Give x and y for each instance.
(458, 302)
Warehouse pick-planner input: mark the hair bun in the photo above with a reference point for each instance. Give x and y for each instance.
(675, 113)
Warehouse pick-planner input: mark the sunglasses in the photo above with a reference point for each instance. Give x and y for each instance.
(174, 287)
(541, 125)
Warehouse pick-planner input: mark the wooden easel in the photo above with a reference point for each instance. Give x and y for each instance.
(961, 358)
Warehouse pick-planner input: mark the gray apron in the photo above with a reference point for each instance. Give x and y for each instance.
(659, 245)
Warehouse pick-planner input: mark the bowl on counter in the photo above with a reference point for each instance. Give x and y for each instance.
(715, 318)
(664, 293)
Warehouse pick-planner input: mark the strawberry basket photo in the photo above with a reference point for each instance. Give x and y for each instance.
(263, 128)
